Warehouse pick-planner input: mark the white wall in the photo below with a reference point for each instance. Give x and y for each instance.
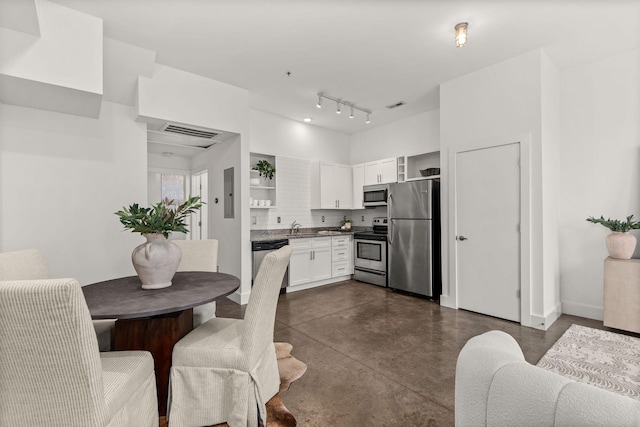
(177, 96)
(275, 135)
(499, 103)
(63, 177)
(414, 135)
(226, 230)
(600, 155)
(59, 70)
(296, 145)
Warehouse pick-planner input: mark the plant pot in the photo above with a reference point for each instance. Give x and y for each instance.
(156, 261)
(621, 245)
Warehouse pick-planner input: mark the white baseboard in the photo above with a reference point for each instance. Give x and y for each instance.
(544, 322)
(583, 310)
(239, 298)
(447, 301)
(318, 283)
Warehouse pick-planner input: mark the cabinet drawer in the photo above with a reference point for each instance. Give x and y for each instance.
(341, 269)
(341, 254)
(321, 242)
(341, 241)
(300, 244)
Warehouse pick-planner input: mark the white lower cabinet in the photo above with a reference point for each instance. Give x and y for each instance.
(317, 261)
(310, 260)
(341, 256)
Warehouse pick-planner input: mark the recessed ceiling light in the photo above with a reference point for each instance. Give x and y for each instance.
(307, 119)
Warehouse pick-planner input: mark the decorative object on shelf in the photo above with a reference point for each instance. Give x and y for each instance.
(254, 181)
(340, 102)
(461, 34)
(265, 169)
(620, 243)
(157, 260)
(430, 171)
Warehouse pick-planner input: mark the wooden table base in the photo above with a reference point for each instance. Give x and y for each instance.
(156, 335)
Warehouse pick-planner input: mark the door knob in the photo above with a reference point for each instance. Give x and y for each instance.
(461, 238)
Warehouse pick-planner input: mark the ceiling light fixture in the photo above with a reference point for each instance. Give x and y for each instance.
(339, 103)
(307, 119)
(461, 34)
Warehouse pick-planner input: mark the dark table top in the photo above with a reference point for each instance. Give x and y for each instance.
(124, 298)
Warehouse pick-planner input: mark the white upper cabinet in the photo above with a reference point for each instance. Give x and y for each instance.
(331, 186)
(358, 183)
(381, 171)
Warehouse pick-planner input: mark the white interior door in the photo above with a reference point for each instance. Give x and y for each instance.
(488, 258)
(200, 187)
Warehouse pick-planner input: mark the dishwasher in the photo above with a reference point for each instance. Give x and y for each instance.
(260, 249)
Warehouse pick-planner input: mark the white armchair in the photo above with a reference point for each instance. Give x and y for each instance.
(226, 369)
(199, 255)
(51, 371)
(30, 264)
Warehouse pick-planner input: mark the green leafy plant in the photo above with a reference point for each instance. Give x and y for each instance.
(616, 224)
(163, 217)
(346, 221)
(265, 169)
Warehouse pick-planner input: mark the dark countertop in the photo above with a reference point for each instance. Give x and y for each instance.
(262, 235)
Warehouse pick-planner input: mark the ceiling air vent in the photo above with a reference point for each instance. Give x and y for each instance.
(396, 105)
(189, 131)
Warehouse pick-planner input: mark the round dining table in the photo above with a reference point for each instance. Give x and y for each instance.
(155, 319)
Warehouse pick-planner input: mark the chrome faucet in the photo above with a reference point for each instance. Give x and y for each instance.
(295, 227)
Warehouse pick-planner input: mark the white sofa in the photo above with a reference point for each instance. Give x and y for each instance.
(495, 386)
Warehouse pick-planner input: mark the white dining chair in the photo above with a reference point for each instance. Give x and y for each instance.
(199, 255)
(30, 264)
(52, 372)
(226, 369)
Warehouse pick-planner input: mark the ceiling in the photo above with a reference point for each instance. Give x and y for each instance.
(372, 53)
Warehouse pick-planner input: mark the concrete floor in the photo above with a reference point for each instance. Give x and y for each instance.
(381, 358)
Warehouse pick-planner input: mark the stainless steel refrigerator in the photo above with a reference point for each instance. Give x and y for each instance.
(414, 237)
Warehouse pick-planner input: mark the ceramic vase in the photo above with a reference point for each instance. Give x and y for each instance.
(156, 261)
(621, 245)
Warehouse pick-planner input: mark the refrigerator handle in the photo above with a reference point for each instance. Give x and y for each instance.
(390, 234)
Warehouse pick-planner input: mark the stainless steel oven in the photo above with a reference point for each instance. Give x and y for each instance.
(375, 195)
(370, 254)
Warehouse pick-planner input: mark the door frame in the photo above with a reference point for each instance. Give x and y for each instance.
(524, 141)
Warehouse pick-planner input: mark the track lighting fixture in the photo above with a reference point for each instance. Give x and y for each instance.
(339, 103)
(461, 34)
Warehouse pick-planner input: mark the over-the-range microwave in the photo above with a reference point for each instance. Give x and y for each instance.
(375, 195)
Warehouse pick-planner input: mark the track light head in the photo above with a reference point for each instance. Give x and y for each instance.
(368, 119)
(342, 102)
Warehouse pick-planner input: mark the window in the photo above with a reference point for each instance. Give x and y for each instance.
(173, 188)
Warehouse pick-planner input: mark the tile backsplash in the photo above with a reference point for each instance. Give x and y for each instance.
(293, 200)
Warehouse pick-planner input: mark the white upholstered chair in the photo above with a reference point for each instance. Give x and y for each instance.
(199, 255)
(226, 369)
(51, 371)
(30, 264)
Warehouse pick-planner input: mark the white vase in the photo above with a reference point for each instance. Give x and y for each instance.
(621, 245)
(156, 261)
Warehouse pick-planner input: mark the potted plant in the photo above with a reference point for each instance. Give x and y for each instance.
(157, 260)
(265, 169)
(620, 243)
(346, 224)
